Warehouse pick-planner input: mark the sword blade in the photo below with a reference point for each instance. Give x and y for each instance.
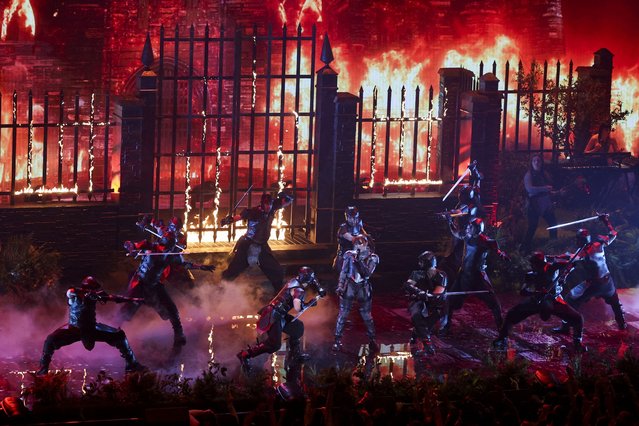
(246, 192)
(561, 225)
(456, 183)
(463, 293)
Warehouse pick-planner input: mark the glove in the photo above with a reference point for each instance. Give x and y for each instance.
(604, 217)
(209, 268)
(321, 292)
(226, 221)
(129, 246)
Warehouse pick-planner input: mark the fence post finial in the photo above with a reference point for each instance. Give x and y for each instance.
(327, 52)
(147, 53)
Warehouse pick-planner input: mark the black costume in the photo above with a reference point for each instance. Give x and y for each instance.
(82, 326)
(473, 276)
(425, 289)
(542, 289)
(253, 246)
(540, 204)
(598, 282)
(275, 320)
(354, 284)
(345, 234)
(147, 282)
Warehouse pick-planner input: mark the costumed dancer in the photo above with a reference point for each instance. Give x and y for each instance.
(425, 289)
(473, 276)
(252, 248)
(83, 326)
(147, 282)
(275, 319)
(598, 282)
(354, 284)
(542, 289)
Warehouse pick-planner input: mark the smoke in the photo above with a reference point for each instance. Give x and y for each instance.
(212, 308)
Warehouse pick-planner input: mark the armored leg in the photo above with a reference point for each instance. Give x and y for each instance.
(271, 268)
(514, 316)
(167, 309)
(61, 337)
(239, 261)
(345, 305)
(617, 309)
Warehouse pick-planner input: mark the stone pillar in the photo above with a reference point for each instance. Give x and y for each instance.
(593, 99)
(136, 119)
(344, 135)
(324, 149)
(452, 83)
(484, 109)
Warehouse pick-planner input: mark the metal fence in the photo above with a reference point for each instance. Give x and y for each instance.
(57, 147)
(235, 111)
(395, 150)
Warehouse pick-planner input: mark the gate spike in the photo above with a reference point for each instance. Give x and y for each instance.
(327, 53)
(147, 53)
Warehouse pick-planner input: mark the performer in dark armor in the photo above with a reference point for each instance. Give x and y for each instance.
(147, 282)
(354, 284)
(542, 289)
(425, 289)
(275, 320)
(598, 282)
(345, 234)
(473, 276)
(252, 248)
(82, 326)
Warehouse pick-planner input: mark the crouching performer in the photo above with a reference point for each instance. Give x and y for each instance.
(425, 289)
(275, 320)
(82, 326)
(354, 284)
(542, 288)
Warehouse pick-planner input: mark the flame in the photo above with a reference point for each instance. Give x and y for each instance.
(24, 9)
(625, 89)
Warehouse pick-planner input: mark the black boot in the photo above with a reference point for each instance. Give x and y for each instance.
(295, 354)
(45, 360)
(179, 339)
(500, 343)
(617, 309)
(373, 347)
(132, 364)
(245, 355)
(563, 329)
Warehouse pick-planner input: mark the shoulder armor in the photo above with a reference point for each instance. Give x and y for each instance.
(294, 283)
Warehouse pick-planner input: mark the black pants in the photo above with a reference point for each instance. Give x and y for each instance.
(362, 293)
(267, 263)
(280, 324)
(540, 206)
(545, 309)
(155, 296)
(423, 318)
(68, 334)
(603, 288)
(475, 281)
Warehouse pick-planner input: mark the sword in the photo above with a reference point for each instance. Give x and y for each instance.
(588, 219)
(458, 293)
(308, 306)
(242, 198)
(160, 236)
(466, 173)
(141, 253)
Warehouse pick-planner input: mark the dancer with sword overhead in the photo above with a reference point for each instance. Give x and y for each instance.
(252, 248)
(598, 282)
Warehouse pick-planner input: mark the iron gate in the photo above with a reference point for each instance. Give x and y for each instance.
(235, 111)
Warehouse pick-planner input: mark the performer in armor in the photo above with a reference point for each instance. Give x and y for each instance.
(82, 326)
(345, 234)
(542, 289)
(425, 289)
(252, 248)
(275, 320)
(473, 274)
(147, 281)
(598, 282)
(354, 284)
